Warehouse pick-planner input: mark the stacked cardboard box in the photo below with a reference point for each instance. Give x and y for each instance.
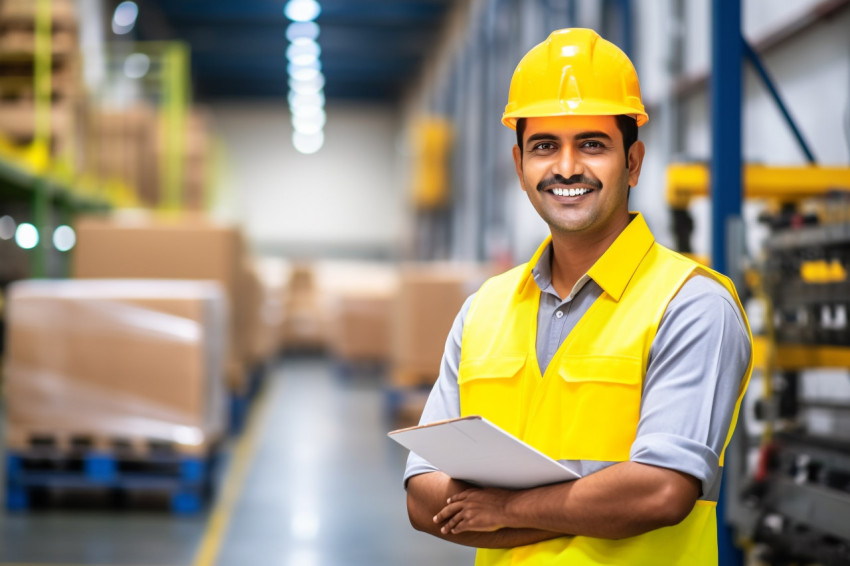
(115, 363)
(198, 162)
(171, 248)
(360, 330)
(123, 142)
(304, 326)
(269, 275)
(361, 301)
(17, 76)
(430, 297)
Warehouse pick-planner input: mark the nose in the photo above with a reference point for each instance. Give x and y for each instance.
(568, 162)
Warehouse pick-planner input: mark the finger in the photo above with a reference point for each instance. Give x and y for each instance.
(447, 512)
(452, 524)
(460, 496)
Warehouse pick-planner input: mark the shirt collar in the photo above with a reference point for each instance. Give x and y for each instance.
(612, 272)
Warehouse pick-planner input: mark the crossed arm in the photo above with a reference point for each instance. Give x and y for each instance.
(623, 500)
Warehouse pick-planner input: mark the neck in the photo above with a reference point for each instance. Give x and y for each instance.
(574, 253)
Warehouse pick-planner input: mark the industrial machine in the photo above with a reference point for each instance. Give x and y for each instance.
(788, 471)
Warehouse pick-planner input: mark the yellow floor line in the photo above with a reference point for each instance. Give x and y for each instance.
(243, 455)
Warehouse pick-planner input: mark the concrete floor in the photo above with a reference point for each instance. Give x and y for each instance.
(315, 483)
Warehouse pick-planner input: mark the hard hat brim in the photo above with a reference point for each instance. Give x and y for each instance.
(584, 108)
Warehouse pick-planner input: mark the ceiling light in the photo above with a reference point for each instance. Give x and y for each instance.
(303, 73)
(308, 143)
(137, 65)
(308, 124)
(297, 99)
(303, 52)
(124, 17)
(302, 30)
(26, 236)
(64, 238)
(308, 111)
(302, 10)
(312, 86)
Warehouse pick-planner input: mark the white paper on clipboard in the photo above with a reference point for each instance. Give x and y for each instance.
(475, 450)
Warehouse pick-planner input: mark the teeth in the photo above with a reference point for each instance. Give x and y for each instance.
(570, 192)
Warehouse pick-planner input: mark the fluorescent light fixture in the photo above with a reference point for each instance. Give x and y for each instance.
(26, 236)
(137, 65)
(303, 73)
(308, 124)
(297, 99)
(302, 30)
(313, 112)
(302, 10)
(312, 86)
(312, 66)
(7, 227)
(308, 143)
(124, 17)
(303, 52)
(64, 238)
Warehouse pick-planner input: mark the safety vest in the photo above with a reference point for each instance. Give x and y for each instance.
(586, 405)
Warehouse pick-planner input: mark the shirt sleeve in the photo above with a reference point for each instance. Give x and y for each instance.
(696, 364)
(444, 400)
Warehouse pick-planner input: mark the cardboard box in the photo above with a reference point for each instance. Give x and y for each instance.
(22, 13)
(430, 297)
(116, 359)
(268, 280)
(163, 248)
(361, 327)
(304, 326)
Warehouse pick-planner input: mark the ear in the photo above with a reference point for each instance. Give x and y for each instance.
(518, 165)
(635, 161)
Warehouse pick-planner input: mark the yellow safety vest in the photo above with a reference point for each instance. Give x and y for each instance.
(586, 406)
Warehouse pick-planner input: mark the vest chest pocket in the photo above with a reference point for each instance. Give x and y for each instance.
(599, 406)
(493, 388)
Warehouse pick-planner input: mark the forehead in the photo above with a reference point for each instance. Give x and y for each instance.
(569, 126)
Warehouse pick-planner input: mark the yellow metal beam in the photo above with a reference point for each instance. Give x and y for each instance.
(793, 357)
(786, 184)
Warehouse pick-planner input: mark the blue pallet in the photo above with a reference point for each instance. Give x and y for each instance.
(240, 403)
(186, 479)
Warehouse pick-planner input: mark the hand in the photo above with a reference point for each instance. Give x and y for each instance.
(481, 510)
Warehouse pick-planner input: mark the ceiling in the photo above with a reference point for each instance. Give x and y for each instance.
(370, 48)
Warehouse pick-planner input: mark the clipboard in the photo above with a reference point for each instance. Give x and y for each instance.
(475, 450)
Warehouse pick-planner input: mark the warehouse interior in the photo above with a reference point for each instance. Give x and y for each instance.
(234, 235)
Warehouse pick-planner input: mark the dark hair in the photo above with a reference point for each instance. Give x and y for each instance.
(626, 124)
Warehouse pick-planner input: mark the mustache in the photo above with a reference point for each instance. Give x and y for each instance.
(577, 179)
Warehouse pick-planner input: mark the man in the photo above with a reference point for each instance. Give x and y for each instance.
(621, 359)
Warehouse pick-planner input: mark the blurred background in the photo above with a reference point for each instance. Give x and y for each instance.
(234, 235)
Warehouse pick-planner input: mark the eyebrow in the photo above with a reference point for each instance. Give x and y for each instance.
(581, 136)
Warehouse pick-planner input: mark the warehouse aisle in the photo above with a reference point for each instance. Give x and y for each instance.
(325, 485)
(321, 488)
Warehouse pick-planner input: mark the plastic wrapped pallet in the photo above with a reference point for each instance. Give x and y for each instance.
(115, 363)
(171, 248)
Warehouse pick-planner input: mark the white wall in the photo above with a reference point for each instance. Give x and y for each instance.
(346, 199)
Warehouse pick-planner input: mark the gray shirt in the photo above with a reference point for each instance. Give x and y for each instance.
(697, 360)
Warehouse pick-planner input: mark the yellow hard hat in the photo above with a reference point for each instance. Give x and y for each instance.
(574, 72)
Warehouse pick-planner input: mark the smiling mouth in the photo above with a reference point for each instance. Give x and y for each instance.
(571, 192)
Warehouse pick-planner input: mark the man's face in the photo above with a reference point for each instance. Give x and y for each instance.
(575, 172)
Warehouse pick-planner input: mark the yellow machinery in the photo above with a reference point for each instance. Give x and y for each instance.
(798, 500)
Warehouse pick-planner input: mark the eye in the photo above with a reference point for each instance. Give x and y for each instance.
(543, 146)
(593, 146)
